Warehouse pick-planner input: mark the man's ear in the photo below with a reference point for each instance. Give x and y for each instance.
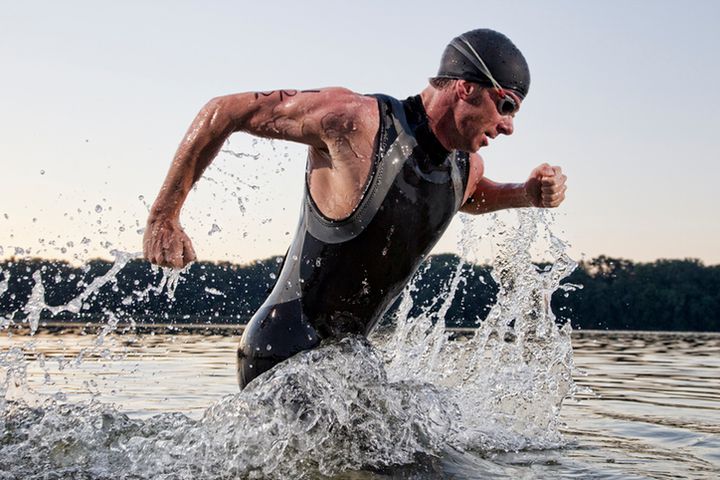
(467, 91)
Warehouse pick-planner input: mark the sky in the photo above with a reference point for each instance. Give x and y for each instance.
(96, 96)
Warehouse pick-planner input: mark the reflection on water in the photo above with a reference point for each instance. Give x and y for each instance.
(149, 374)
(654, 410)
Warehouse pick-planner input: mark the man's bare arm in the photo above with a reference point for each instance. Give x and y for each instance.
(544, 188)
(490, 196)
(320, 118)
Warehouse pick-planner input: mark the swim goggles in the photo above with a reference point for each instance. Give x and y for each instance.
(506, 104)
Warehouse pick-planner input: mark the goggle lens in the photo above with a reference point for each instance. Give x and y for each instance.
(506, 104)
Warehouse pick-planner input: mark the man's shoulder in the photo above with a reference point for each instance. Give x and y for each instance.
(346, 102)
(342, 113)
(342, 95)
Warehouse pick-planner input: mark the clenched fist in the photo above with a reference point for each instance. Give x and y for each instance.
(546, 186)
(166, 244)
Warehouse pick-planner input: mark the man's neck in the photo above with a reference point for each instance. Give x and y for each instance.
(438, 108)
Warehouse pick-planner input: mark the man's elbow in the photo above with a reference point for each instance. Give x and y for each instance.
(223, 112)
(473, 207)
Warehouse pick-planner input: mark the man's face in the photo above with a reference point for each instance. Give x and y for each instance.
(479, 119)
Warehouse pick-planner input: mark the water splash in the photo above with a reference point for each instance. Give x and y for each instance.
(511, 376)
(326, 411)
(37, 304)
(14, 363)
(5, 282)
(345, 406)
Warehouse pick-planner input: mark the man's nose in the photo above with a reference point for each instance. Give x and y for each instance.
(506, 126)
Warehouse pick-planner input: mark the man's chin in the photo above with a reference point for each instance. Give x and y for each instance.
(472, 147)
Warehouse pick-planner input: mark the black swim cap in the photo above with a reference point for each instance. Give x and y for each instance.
(470, 55)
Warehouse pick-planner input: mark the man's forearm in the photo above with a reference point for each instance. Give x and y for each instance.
(283, 114)
(490, 196)
(201, 144)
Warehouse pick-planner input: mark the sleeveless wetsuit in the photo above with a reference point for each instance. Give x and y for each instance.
(340, 276)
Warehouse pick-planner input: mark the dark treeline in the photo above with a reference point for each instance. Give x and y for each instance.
(681, 295)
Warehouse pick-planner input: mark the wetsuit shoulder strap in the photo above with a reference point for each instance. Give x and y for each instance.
(394, 111)
(391, 109)
(460, 175)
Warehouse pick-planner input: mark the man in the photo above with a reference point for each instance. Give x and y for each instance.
(384, 179)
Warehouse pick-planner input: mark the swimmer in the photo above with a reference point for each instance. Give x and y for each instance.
(384, 179)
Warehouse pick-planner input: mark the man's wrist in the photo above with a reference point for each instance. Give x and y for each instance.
(522, 195)
(163, 213)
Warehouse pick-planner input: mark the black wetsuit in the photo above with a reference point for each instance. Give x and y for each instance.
(340, 276)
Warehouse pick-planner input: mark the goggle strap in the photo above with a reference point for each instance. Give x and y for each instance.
(477, 61)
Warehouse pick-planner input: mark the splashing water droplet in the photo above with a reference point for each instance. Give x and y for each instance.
(214, 229)
(213, 291)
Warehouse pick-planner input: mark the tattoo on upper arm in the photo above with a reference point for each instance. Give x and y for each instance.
(283, 93)
(336, 124)
(337, 127)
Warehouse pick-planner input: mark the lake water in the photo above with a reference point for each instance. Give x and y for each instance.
(653, 412)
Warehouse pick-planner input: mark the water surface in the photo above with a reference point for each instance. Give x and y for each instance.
(653, 412)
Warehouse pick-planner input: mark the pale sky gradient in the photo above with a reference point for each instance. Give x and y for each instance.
(96, 96)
